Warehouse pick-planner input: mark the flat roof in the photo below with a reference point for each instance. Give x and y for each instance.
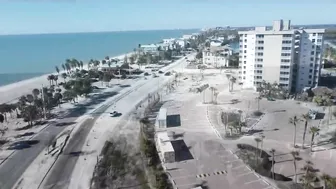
(162, 114)
(164, 142)
(272, 32)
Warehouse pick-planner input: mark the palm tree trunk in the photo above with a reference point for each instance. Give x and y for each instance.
(304, 134)
(311, 142)
(294, 135)
(295, 176)
(273, 165)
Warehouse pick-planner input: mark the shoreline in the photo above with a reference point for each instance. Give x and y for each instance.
(13, 91)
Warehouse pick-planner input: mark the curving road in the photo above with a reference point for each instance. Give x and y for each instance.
(60, 175)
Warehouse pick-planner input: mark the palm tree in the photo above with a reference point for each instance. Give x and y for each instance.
(329, 182)
(294, 120)
(233, 81)
(81, 64)
(50, 79)
(306, 118)
(57, 69)
(63, 66)
(273, 152)
(309, 176)
(36, 93)
(262, 137)
(212, 89)
(56, 78)
(313, 131)
(295, 155)
(258, 152)
(64, 75)
(228, 76)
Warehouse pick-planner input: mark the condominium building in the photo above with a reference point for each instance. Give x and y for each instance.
(217, 57)
(290, 57)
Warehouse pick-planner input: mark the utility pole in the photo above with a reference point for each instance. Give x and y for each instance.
(43, 101)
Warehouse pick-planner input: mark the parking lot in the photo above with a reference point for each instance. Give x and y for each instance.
(209, 163)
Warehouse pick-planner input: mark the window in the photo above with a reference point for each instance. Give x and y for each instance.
(309, 82)
(320, 34)
(260, 36)
(284, 67)
(245, 35)
(260, 54)
(245, 51)
(240, 35)
(245, 40)
(310, 76)
(260, 42)
(312, 53)
(310, 71)
(245, 46)
(244, 77)
(284, 73)
(244, 56)
(286, 48)
(259, 66)
(258, 71)
(283, 85)
(286, 42)
(319, 40)
(285, 54)
(257, 77)
(312, 59)
(259, 60)
(285, 60)
(244, 67)
(244, 62)
(287, 35)
(313, 46)
(240, 46)
(311, 64)
(313, 40)
(283, 79)
(314, 34)
(260, 48)
(244, 72)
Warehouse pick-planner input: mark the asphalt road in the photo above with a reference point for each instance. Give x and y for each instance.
(12, 169)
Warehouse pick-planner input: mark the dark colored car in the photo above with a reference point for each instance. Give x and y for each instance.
(160, 72)
(167, 74)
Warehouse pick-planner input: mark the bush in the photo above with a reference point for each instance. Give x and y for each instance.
(257, 113)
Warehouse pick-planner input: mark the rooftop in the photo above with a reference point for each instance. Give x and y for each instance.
(164, 142)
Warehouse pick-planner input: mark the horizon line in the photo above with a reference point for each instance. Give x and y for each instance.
(84, 32)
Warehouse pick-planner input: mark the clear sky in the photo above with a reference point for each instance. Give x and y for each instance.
(58, 16)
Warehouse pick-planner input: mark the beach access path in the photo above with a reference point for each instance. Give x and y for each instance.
(66, 170)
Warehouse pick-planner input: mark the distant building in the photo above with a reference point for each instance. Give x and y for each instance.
(152, 48)
(215, 43)
(217, 56)
(290, 57)
(169, 41)
(187, 37)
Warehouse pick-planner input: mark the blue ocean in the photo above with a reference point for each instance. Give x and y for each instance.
(27, 56)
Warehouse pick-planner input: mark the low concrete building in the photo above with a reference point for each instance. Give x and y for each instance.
(161, 119)
(165, 148)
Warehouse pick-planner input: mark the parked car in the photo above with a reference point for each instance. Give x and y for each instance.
(115, 114)
(312, 114)
(167, 74)
(160, 72)
(146, 74)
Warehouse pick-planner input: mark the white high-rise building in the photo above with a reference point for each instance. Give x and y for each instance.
(290, 57)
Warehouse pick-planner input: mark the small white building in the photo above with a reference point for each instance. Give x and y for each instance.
(161, 119)
(180, 42)
(163, 46)
(165, 148)
(217, 56)
(215, 43)
(187, 37)
(169, 41)
(152, 48)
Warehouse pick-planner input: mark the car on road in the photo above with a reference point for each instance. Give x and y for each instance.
(167, 74)
(312, 114)
(160, 72)
(115, 114)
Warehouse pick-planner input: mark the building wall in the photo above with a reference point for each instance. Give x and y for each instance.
(283, 57)
(271, 58)
(214, 60)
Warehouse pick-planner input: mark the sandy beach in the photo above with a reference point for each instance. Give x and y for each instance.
(13, 91)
